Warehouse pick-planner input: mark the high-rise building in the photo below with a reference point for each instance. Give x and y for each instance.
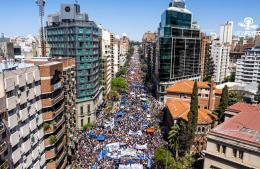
(71, 34)
(220, 51)
(226, 33)
(124, 45)
(106, 62)
(5, 147)
(52, 95)
(114, 45)
(21, 87)
(71, 118)
(6, 47)
(179, 47)
(247, 68)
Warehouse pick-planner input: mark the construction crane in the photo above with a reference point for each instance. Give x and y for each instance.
(41, 4)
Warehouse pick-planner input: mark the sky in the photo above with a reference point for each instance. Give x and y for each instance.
(134, 17)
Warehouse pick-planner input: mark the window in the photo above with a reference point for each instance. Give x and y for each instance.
(235, 152)
(241, 154)
(88, 108)
(224, 149)
(81, 110)
(206, 95)
(218, 148)
(82, 122)
(88, 119)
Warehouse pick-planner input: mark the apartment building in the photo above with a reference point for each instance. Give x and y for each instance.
(114, 45)
(124, 45)
(247, 68)
(71, 116)
(21, 87)
(235, 143)
(208, 95)
(5, 154)
(52, 95)
(106, 62)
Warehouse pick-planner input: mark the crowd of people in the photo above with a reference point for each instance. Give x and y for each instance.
(127, 138)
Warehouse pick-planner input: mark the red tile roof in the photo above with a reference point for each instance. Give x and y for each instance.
(244, 126)
(180, 109)
(186, 86)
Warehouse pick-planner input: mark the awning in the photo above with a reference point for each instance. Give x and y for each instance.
(150, 130)
(101, 138)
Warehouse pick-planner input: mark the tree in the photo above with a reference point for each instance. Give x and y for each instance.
(193, 114)
(114, 95)
(174, 139)
(234, 97)
(119, 84)
(257, 97)
(52, 139)
(223, 104)
(164, 158)
(232, 77)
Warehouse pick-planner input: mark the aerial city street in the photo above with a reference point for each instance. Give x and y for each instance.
(169, 84)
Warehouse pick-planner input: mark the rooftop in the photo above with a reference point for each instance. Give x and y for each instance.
(11, 65)
(186, 86)
(244, 126)
(180, 109)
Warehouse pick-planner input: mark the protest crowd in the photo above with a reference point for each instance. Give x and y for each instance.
(127, 138)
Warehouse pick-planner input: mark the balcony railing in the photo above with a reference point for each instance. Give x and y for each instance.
(3, 147)
(2, 127)
(4, 165)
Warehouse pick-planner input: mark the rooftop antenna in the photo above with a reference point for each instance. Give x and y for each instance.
(41, 4)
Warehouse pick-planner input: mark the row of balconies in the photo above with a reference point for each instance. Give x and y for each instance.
(4, 165)
(51, 115)
(3, 147)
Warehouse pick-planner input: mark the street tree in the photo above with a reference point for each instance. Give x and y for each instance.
(223, 104)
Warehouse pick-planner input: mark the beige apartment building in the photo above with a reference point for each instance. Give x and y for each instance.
(235, 144)
(22, 134)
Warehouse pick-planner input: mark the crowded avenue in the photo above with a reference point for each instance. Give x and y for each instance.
(127, 138)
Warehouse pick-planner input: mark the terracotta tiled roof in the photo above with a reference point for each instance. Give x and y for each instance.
(180, 109)
(244, 126)
(218, 91)
(186, 86)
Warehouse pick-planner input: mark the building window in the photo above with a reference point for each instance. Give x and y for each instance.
(88, 120)
(241, 154)
(235, 153)
(88, 108)
(81, 110)
(218, 148)
(82, 122)
(224, 149)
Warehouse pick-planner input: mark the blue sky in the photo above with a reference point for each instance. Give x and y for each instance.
(20, 17)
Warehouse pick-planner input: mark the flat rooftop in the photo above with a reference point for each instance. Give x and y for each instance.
(11, 65)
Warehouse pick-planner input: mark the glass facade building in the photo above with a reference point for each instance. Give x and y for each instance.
(179, 47)
(77, 38)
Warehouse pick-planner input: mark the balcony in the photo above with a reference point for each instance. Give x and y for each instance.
(4, 165)
(61, 158)
(58, 98)
(50, 154)
(59, 123)
(3, 147)
(11, 103)
(2, 127)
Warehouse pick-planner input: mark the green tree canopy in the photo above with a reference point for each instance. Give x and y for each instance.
(119, 84)
(174, 139)
(223, 104)
(164, 158)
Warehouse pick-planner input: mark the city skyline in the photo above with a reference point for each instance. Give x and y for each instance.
(143, 19)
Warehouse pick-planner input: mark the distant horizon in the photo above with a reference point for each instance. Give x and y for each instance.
(133, 17)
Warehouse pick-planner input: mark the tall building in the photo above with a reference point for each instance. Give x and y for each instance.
(220, 54)
(5, 147)
(247, 68)
(71, 34)
(179, 47)
(220, 51)
(226, 33)
(21, 87)
(149, 48)
(71, 117)
(52, 95)
(106, 62)
(235, 143)
(124, 45)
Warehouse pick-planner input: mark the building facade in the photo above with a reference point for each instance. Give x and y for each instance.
(52, 95)
(247, 68)
(106, 62)
(235, 143)
(179, 47)
(20, 84)
(208, 95)
(71, 34)
(6, 47)
(71, 117)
